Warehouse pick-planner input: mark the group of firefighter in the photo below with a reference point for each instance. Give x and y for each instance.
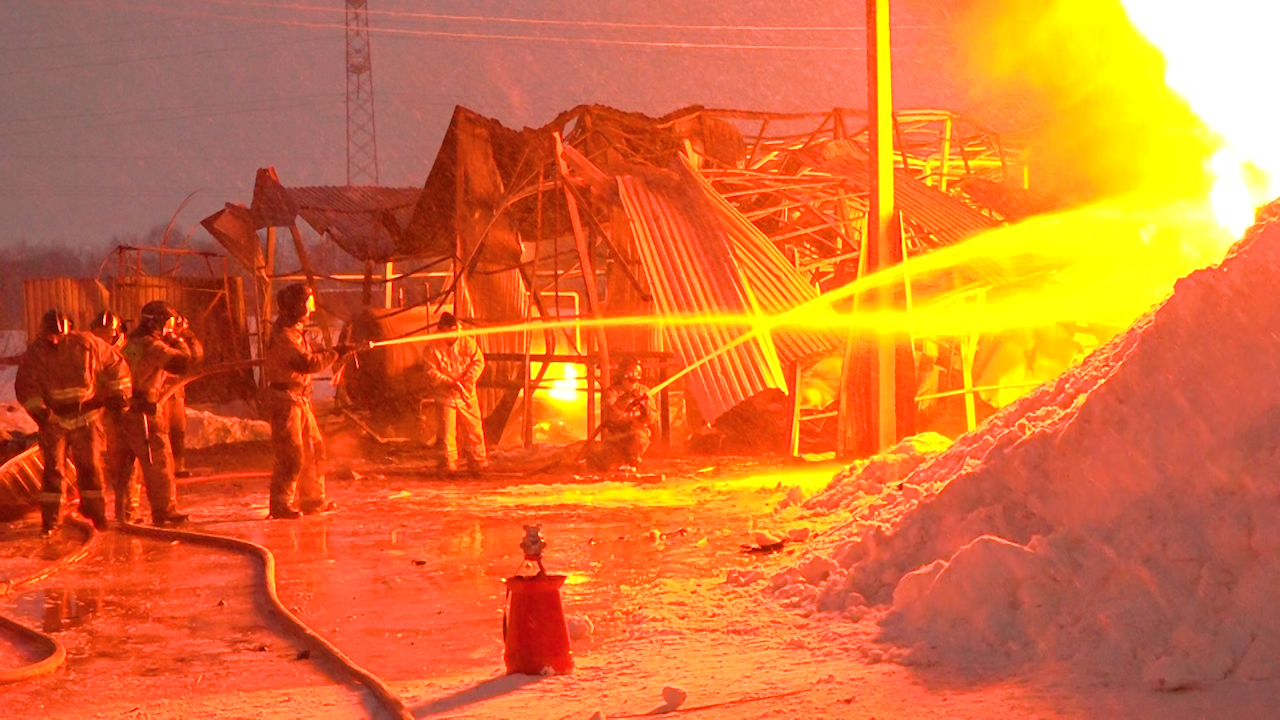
(453, 365)
(105, 399)
(110, 400)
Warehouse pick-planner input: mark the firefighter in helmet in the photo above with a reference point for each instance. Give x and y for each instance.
(177, 412)
(628, 418)
(109, 328)
(453, 365)
(156, 351)
(289, 363)
(66, 381)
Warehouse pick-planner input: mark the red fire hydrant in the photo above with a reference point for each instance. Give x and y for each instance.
(533, 625)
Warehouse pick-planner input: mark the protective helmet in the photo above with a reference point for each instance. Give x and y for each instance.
(55, 322)
(108, 320)
(628, 366)
(295, 302)
(156, 316)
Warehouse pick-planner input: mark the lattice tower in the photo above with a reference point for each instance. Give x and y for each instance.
(362, 137)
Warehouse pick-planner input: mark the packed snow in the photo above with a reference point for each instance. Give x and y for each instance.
(1123, 520)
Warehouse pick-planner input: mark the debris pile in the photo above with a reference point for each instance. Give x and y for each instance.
(1124, 518)
(206, 429)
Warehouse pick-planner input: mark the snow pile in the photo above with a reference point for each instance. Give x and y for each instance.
(205, 429)
(873, 495)
(1124, 518)
(864, 481)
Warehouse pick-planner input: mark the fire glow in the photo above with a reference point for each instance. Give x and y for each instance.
(1213, 55)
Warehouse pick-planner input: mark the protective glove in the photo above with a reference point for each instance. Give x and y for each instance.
(348, 348)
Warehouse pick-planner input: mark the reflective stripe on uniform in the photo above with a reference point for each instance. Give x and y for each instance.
(68, 394)
(50, 497)
(123, 385)
(79, 421)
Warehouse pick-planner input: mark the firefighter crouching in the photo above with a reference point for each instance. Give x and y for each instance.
(155, 351)
(453, 366)
(66, 381)
(627, 419)
(289, 363)
(109, 328)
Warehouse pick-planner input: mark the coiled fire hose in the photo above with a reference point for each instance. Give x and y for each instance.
(56, 654)
(393, 705)
(390, 702)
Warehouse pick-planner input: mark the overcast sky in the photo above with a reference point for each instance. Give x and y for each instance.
(114, 111)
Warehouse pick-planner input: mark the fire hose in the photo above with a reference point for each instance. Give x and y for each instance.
(55, 653)
(393, 705)
(266, 561)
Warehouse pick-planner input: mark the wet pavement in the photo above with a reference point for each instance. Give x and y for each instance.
(406, 578)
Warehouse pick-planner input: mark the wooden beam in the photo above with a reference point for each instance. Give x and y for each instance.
(584, 259)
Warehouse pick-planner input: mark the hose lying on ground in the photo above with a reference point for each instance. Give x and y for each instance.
(317, 644)
(55, 653)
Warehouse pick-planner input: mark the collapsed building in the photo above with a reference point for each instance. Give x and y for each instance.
(608, 215)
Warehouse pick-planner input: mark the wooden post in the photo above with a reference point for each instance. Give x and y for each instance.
(388, 271)
(946, 153)
(968, 347)
(591, 394)
(301, 250)
(526, 409)
(796, 375)
(366, 292)
(664, 405)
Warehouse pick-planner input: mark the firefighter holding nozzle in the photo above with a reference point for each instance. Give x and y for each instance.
(299, 448)
(627, 419)
(160, 348)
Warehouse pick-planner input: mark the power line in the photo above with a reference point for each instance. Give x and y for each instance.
(146, 58)
(225, 105)
(405, 32)
(569, 23)
(114, 41)
(140, 121)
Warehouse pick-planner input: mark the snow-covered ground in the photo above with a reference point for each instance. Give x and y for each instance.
(1122, 522)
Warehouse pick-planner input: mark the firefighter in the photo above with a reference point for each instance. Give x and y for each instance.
(452, 367)
(627, 418)
(299, 448)
(109, 328)
(155, 352)
(66, 381)
(177, 412)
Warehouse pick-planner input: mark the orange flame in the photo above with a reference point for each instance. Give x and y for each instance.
(1212, 54)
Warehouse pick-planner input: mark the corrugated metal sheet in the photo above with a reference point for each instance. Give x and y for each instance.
(776, 284)
(496, 299)
(690, 265)
(217, 315)
(79, 298)
(20, 483)
(363, 221)
(937, 213)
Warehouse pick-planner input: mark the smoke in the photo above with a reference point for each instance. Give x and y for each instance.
(1107, 124)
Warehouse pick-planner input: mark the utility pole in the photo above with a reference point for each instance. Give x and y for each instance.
(362, 139)
(867, 420)
(880, 212)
